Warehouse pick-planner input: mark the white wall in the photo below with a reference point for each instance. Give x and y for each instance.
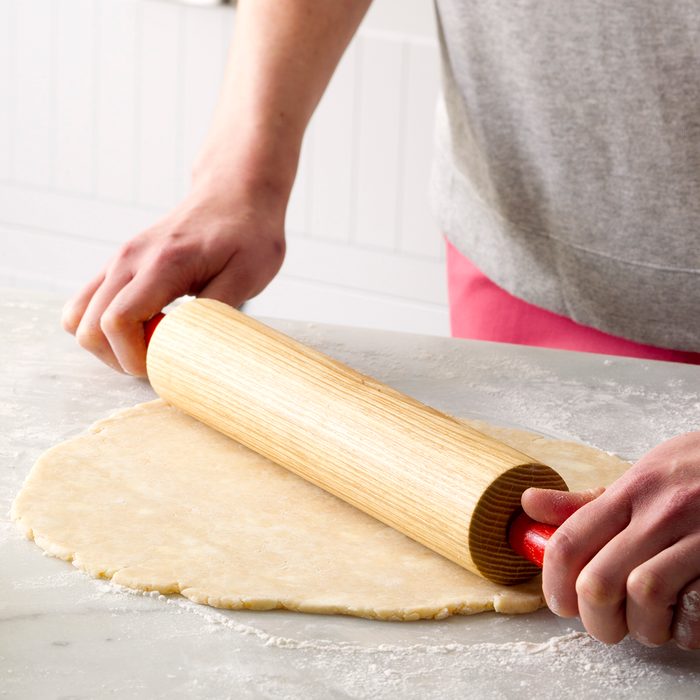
(103, 104)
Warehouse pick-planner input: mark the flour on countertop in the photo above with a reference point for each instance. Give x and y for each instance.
(383, 669)
(53, 390)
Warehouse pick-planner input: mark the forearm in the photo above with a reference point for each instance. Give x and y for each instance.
(282, 57)
(225, 240)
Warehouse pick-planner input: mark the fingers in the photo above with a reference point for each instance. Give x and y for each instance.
(629, 560)
(107, 315)
(602, 586)
(656, 587)
(574, 544)
(625, 576)
(554, 507)
(122, 321)
(158, 266)
(75, 308)
(89, 333)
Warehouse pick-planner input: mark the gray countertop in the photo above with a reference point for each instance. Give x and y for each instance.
(64, 635)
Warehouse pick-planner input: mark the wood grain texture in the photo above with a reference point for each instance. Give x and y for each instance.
(424, 473)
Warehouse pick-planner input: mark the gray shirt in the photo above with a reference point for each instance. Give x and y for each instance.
(568, 157)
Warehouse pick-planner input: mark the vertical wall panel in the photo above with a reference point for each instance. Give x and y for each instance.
(6, 85)
(227, 28)
(203, 61)
(68, 262)
(159, 120)
(75, 97)
(362, 245)
(378, 143)
(334, 154)
(117, 66)
(34, 106)
(419, 233)
(298, 299)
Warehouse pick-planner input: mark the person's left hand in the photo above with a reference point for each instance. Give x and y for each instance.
(627, 559)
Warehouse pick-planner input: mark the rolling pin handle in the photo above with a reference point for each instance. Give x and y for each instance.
(151, 325)
(528, 537)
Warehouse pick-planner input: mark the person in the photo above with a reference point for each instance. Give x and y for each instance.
(567, 182)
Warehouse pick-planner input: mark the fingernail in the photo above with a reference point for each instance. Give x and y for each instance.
(690, 604)
(647, 642)
(553, 605)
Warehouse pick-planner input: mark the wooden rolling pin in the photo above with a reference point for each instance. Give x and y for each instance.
(420, 471)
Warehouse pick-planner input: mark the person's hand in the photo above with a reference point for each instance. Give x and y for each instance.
(627, 559)
(226, 246)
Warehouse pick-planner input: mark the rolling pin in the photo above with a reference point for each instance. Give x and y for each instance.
(438, 481)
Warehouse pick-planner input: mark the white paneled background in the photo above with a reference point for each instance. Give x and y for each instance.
(103, 104)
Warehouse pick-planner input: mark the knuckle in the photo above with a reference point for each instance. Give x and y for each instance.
(683, 500)
(125, 259)
(171, 254)
(595, 589)
(278, 249)
(680, 505)
(647, 588)
(560, 549)
(128, 250)
(178, 235)
(271, 254)
(113, 321)
(89, 336)
(638, 484)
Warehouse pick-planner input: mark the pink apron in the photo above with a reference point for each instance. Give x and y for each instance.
(481, 310)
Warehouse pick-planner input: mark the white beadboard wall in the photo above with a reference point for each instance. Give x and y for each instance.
(103, 104)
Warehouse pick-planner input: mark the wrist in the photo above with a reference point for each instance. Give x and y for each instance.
(258, 163)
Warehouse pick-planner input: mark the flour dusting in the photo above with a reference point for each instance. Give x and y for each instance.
(125, 646)
(547, 668)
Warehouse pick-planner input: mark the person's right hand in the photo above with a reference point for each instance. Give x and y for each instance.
(226, 246)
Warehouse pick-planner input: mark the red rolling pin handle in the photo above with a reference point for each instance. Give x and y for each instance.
(151, 325)
(526, 536)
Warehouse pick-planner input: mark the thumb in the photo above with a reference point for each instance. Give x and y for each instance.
(554, 507)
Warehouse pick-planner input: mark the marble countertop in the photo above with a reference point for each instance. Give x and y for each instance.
(64, 635)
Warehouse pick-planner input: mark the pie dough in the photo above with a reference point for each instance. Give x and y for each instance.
(157, 501)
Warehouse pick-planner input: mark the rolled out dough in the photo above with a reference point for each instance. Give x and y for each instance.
(155, 500)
